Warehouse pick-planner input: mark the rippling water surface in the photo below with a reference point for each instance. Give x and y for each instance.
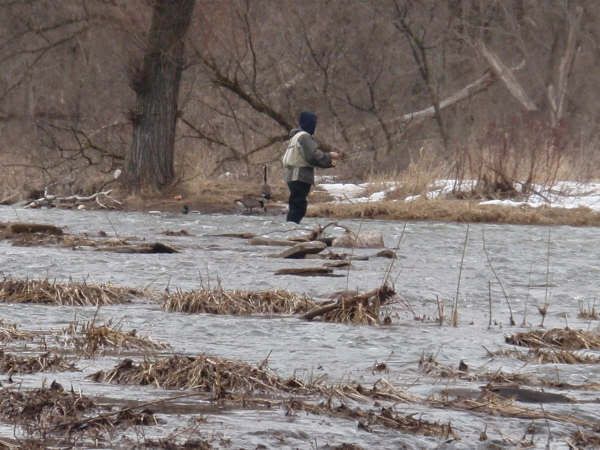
(559, 265)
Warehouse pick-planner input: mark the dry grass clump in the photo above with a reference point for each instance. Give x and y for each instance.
(357, 309)
(71, 293)
(385, 417)
(10, 332)
(88, 338)
(233, 302)
(456, 211)
(44, 362)
(540, 356)
(218, 376)
(558, 338)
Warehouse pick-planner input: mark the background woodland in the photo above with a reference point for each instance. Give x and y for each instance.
(496, 90)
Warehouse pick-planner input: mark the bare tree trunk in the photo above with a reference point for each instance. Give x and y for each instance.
(156, 84)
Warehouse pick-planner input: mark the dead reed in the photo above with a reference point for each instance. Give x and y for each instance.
(45, 362)
(354, 308)
(218, 376)
(10, 332)
(588, 312)
(557, 338)
(54, 293)
(89, 339)
(234, 302)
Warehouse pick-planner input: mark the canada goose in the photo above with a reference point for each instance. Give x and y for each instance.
(185, 209)
(249, 203)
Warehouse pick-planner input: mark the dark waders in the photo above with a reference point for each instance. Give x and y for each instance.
(298, 200)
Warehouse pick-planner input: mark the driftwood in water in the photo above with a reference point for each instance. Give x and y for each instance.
(387, 253)
(235, 235)
(156, 247)
(308, 272)
(181, 232)
(339, 263)
(299, 251)
(101, 199)
(261, 240)
(347, 302)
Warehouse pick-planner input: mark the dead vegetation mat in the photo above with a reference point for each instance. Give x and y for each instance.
(70, 294)
(560, 338)
(10, 332)
(386, 417)
(88, 338)
(52, 411)
(45, 362)
(235, 302)
(495, 405)
(218, 376)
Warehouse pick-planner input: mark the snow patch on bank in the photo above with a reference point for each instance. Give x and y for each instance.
(356, 193)
(563, 194)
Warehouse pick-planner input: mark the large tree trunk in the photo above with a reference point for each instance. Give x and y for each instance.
(156, 84)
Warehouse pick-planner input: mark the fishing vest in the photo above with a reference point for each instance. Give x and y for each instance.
(293, 155)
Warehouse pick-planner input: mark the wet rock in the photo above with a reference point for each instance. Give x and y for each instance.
(387, 253)
(527, 395)
(365, 239)
(299, 251)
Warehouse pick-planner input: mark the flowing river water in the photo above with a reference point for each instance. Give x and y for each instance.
(557, 265)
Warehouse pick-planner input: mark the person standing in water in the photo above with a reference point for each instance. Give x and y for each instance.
(301, 156)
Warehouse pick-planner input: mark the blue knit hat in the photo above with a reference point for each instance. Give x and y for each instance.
(308, 121)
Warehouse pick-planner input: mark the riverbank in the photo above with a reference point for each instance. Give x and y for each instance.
(566, 203)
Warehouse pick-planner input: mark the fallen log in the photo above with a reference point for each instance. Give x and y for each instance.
(156, 247)
(235, 235)
(261, 240)
(299, 251)
(102, 199)
(308, 272)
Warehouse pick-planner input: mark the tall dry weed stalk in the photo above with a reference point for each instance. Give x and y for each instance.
(506, 296)
(543, 309)
(460, 269)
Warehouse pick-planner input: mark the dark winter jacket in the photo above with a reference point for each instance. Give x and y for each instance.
(313, 157)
